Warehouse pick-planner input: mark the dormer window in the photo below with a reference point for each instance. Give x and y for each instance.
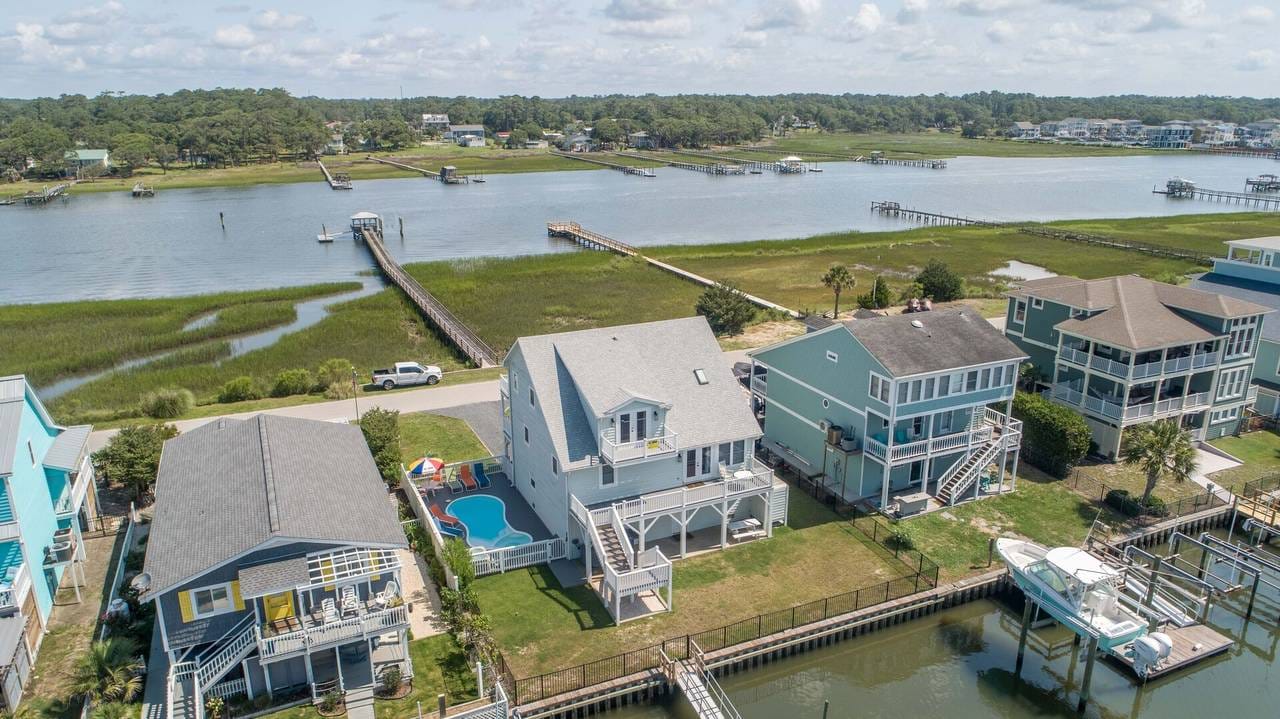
(700, 375)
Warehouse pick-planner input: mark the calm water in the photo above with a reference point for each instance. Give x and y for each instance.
(110, 245)
(959, 663)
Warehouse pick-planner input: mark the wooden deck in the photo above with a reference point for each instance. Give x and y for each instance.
(1190, 645)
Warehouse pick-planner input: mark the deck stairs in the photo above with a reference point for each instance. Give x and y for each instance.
(614, 548)
(182, 695)
(189, 680)
(961, 476)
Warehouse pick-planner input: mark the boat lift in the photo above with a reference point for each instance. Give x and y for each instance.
(1253, 568)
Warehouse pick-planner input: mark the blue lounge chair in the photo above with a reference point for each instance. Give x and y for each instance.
(448, 531)
(477, 470)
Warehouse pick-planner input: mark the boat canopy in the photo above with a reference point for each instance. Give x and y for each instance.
(1081, 565)
(364, 216)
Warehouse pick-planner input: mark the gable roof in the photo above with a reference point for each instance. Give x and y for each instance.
(231, 485)
(1261, 293)
(945, 339)
(1137, 313)
(593, 371)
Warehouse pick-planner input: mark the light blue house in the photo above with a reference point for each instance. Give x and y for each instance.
(1126, 350)
(46, 492)
(906, 412)
(1251, 272)
(635, 444)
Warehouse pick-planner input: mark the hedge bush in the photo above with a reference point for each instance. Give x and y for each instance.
(1054, 438)
(291, 382)
(1126, 504)
(167, 403)
(240, 389)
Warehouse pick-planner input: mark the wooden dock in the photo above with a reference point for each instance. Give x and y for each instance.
(1187, 190)
(449, 177)
(875, 158)
(625, 169)
(452, 328)
(340, 181)
(894, 209)
(754, 166)
(47, 194)
(715, 169)
(1263, 183)
(596, 241)
(1238, 152)
(1190, 645)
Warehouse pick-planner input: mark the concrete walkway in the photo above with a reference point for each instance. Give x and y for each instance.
(1206, 464)
(421, 596)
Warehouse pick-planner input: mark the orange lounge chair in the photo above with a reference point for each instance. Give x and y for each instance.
(442, 516)
(467, 480)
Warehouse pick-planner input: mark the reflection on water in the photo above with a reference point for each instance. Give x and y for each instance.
(1018, 270)
(959, 663)
(106, 245)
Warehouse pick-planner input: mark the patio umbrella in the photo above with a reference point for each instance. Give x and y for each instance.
(425, 465)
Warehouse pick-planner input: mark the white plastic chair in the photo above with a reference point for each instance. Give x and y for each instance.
(330, 610)
(350, 600)
(389, 592)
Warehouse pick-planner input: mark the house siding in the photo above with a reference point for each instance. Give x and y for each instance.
(544, 490)
(33, 505)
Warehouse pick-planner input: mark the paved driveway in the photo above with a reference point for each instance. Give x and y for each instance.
(1206, 464)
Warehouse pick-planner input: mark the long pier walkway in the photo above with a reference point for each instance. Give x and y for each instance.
(454, 329)
(752, 165)
(596, 241)
(716, 169)
(894, 209)
(340, 181)
(874, 159)
(1248, 199)
(625, 169)
(1239, 152)
(46, 194)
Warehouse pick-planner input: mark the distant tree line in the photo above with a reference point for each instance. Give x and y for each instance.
(230, 126)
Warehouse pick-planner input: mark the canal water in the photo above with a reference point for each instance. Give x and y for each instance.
(959, 663)
(111, 245)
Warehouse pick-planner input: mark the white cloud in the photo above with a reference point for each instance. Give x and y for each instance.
(980, 7)
(749, 39)
(641, 9)
(1255, 60)
(234, 36)
(276, 20)
(1000, 31)
(1257, 14)
(668, 27)
(912, 11)
(861, 24)
(784, 14)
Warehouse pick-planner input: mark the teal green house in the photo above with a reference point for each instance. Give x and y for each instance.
(46, 495)
(1251, 272)
(906, 413)
(1125, 350)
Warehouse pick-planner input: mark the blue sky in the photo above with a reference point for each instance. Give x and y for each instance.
(548, 48)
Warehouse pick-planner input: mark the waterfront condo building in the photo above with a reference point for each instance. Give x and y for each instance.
(1126, 350)
(274, 565)
(1251, 272)
(634, 444)
(47, 498)
(907, 412)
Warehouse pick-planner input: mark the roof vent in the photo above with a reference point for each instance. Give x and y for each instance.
(222, 423)
(700, 375)
(917, 324)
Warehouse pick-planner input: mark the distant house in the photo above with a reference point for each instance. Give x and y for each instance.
(273, 564)
(1172, 135)
(578, 142)
(1264, 133)
(640, 140)
(458, 132)
(47, 495)
(84, 159)
(336, 145)
(535, 144)
(1026, 130)
(435, 123)
(502, 136)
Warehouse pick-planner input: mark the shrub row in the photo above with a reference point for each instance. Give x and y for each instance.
(1054, 438)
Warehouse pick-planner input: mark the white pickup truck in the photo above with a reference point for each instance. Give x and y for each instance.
(405, 374)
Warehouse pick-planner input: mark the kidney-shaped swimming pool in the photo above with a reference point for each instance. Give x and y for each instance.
(485, 518)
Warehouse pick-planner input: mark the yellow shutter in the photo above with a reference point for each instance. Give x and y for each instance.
(184, 605)
(374, 563)
(326, 572)
(236, 601)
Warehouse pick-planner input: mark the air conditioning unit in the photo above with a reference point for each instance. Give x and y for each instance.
(824, 425)
(834, 434)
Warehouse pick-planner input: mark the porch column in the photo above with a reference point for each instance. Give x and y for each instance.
(684, 530)
(768, 509)
(404, 647)
(311, 677)
(643, 530)
(724, 523)
(1016, 453)
(248, 678)
(586, 541)
(337, 661)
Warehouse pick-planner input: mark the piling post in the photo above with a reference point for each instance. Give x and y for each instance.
(222, 221)
(1253, 595)
(1088, 674)
(1022, 636)
(401, 228)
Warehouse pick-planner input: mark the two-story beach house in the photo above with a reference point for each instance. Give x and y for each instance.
(47, 493)
(907, 412)
(635, 443)
(1251, 272)
(1127, 350)
(273, 564)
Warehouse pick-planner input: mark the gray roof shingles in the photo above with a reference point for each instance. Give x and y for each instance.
(587, 372)
(1259, 293)
(68, 448)
(946, 339)
(273, 577)
(230, 485)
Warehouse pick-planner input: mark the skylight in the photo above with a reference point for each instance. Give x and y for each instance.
(700, 375)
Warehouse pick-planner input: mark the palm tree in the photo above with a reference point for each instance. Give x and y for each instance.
(1159, 449)
(110, 671)
(839, 279)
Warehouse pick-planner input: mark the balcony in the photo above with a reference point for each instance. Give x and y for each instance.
(504, 385)
(1075, 356)
(14, 586)
(614, 452)
(1109, 366)
(753, 478)
(314, 632)
(989, 425)
(1123, 370)
(1113, 409)
(1252, 396)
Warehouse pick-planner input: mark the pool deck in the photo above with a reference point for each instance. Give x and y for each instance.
(519, 514)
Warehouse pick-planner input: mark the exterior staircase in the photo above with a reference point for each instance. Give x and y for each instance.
(182, 697)
(957, 480)
(190, 680)
(615, 551)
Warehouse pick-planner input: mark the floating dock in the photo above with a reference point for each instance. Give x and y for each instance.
(1190, 645)
(1186, 189)
(141, 190)
(340, 181)
(47, 194)
(625, 169)
(368, 227)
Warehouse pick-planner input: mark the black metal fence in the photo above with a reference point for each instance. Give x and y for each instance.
(1120, 500)
(1261, 485)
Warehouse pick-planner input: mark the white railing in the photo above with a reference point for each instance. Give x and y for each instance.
(176, 673)
(1199, 399)
(73, 495)
(496, 709)
(1151, 369)
(1177, 364)
(504, 385)
(926, 447)
(228, 689)
(1068, 394)
(1075, 356)
(653, 572)
(620, 531)
(363, 626)
(223, 654)
(687, 497)
(1109, 366)
(759, 384)
(495, 561)
(656, 446)
(1204, 359)
(1252, 395)
(12, 595)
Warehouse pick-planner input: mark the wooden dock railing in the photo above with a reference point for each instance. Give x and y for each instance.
(457, 331)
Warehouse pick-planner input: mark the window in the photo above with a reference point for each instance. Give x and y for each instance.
(1240, 341)
(642, 425)
(526, 435)
(700, 376)
(944, 423)
(211, 601)
(624, 428)
(606, 475)
(740, 451)
(879, 388)
(986, 378)
(915, 390)
(1020, 312)
(971, 381)
(1037, 303)
(31, 450)
(902, 392)
(706, 460)
(832, 356)
(944, 385)
(555, 466)
(1231, 383)
(917, 426)
(1223, 415)
(690, 464)
(723, 453)
(531, 402)
(928, 388)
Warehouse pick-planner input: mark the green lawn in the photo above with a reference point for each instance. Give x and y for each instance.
(1260, 452)
(439, 667)
(1118, 475)
(435, 435)
(541, 626)
(1205, 233)
(369, 332)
